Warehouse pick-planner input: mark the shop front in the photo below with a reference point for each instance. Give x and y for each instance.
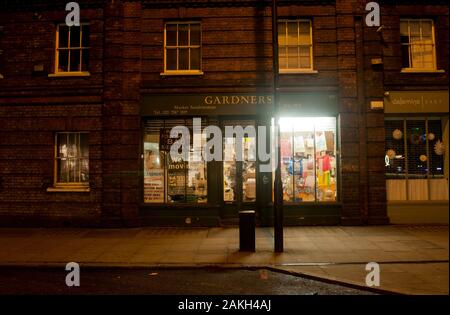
(223, 173)
(416, 161)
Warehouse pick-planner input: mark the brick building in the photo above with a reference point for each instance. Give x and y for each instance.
(85, 112)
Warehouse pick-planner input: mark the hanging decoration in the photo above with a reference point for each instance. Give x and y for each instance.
(431, 136)
(423, 158)
(390, 154)
(397, 134)
(439, 148)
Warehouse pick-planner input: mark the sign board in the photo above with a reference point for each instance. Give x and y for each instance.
(416, 102)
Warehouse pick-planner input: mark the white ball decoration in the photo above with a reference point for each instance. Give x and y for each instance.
(397, 134)
(423, 158)
(431, 136)
(390, 154)
(439, 148)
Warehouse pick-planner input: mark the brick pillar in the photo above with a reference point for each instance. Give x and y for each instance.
(121, 120)
(349, 114)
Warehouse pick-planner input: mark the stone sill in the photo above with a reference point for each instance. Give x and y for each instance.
(78, 189)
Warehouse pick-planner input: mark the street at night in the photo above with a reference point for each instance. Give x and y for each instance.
(166, 281)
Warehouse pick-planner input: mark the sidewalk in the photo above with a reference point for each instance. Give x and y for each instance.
(413, 259)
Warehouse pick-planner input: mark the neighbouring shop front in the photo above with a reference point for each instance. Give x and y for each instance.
(416, 161)
(195, 190)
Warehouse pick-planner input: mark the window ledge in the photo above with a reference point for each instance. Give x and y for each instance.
(69, 189)
(69, 74)
(171, 73)
(421, 71)
(297, 71)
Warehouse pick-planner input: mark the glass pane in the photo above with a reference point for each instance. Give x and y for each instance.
(428, 56)
(426, 28)
(326, 174)
(75, 64)
(154, 160)
(417, 56)
(176, 180)
(435, 147)
(405, 56)
(195, 34)
(417, 155)
(303, 162)
(229, 170)
(85, 60)
(63, 39)
(414, 28)
(282, 58)
(292, 33)
(394, 160)
(196, 184)
(404, 28)
(281, 33)
(293, 57)
(86, 33)
(183, 61)
(305, 37)
(84, 173)
(171, 59)
(183, 34)
(61, 144)
(305, 59)
(286, 148)
(171, 34)
(63, 60)
(84, 145)
(195, 58)
(249, 170)
(75, 39)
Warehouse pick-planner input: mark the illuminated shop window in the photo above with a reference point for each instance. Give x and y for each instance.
(167, 180)
(308, 159)
(418, 44)
(72, 49)
(182, 48)
(295, 45)
(414, 160)
(72, 159)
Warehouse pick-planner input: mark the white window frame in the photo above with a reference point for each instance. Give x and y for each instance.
(66, 186)
(182, 72)
(410, 68)
(311, 47)
(57, 48)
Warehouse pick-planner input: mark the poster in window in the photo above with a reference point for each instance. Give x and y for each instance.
(153, 174)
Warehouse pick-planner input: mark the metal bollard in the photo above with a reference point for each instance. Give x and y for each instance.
(247, 231)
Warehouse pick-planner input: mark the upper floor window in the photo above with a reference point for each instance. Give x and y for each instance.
(182, 48)
(295, 45)
(418, 45)
(72, 159)
(72, 49)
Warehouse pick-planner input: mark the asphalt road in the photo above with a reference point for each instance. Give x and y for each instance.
(165, 282)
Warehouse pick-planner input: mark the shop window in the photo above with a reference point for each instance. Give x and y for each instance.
(72, 159)
(295, 45)
(246, 184)
(418, 45)
(72, 49)
(308, 159)
(414, 159)
(167, 180)
(182, 48)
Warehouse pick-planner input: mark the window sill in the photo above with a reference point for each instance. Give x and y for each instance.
(297, 71)
(174, 73)
(69, 74)
(69, 189)
(421, 71)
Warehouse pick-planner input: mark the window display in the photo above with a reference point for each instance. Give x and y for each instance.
(167, 180)
(308, 159)
(230, 183)
(72, 158)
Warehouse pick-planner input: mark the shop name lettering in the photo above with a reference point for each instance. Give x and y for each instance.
(259, 305)
(212, 150)
(235, 99)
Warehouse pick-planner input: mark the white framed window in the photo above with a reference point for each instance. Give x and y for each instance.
(418, 45)
(295, 46)
(71, 161)
(72, 50)
(182, 48)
